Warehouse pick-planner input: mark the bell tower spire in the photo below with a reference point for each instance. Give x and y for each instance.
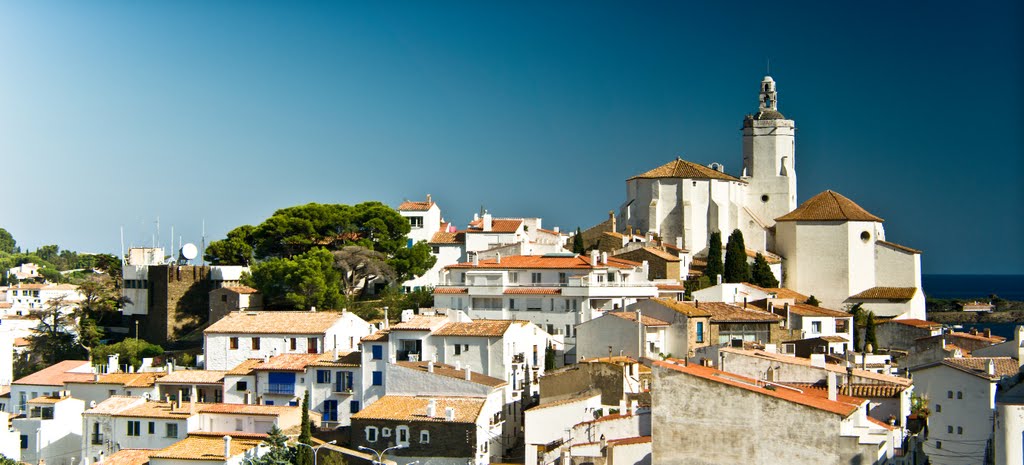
(769, 98)
(768, 157)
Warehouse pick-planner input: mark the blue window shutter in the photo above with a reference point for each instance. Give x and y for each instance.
(409, 246)
(378, 351)
(353, 406)
(378, 378)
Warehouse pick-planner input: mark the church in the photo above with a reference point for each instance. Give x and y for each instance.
(830, 247)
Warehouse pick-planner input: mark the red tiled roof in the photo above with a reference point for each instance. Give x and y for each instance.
(680, 168)
(977, 366)
(915, 323)
(645, 320)
(843, 405)
(545, 262)
(409, 206)
(829, 206)
(898, 247)
(275, 322)
(445, 237)
(533, 290)
(129, 457)
(979, 337)
(57, 375)
(888, 293)
(480, 327)
(628, 441)
(449, 371)
(288, 362)
(722, 312)
(498, 225)
(420, 323)
(451, 290)
(242, 289)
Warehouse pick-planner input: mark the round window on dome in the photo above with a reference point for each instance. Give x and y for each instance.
(865, 236)
(764, 198)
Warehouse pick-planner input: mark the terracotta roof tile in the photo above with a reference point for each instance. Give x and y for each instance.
(449, 371)
(409, 206)
(275, 322)
(862, 390)
(289, 362)
(209, 447)
(978, 337)
(545, 262)
(915, 323)
(685, 308)
(498, 225)
(898, 247)
(451, 290)
(193, 377)
(671, 287)
(829, 206)
(833, 367)
(246, 409)
(843, 405)
(156, 409)
(629, 441)
(680, 168)
(47, 400)
(646, 320)
(889, 293)
(345, 359)
(128, 379)
(115, 404)
(420, 323)
(769, 257)
(445, 237)
(378, 336)
(977, 366)
(129, 457)
(242, 289)
(533, 291)
(582, 397)
(722, 312)
(410, 408)
(57, 375)
(245, 368)
(480, 327)
(801, 309)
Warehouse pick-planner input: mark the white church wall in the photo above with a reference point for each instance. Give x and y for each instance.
(817, 259)
(897, 268)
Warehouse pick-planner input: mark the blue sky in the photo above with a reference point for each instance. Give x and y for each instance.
(114, 113)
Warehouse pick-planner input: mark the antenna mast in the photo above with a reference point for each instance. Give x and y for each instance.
(203, 251)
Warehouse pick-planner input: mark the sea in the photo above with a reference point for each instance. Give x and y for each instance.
(977, 286)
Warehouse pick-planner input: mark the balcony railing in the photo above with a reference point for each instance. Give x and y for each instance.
(96, 439)
(277, 388)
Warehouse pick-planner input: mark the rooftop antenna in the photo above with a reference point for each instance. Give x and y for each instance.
(204, 242)
(769, 67)
(122, 247)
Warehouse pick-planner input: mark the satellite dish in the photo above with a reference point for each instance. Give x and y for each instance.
(189, 251)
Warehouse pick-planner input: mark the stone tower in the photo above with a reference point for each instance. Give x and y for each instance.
(768, 158)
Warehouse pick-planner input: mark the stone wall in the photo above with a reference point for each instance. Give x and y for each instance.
(658, 267)
(179, 300)
(569, 382)
(447, 439)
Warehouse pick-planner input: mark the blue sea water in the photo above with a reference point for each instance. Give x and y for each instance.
(973, 286)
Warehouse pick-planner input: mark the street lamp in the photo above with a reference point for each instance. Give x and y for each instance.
(380, 455)
(315, 449)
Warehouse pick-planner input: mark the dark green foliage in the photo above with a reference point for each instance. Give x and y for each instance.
(736, 268)
(304, 281)
(869, 333)
(280, 453)
(5, 460)
(236, 249)
(7, 242)
(761, 274)
(857, 311)
(577, 242)
(305, 454)
(812, 301)
(413, 261)
(357, 266)
(715, 266)
(129, 351)
(549, 358)
(694, 284)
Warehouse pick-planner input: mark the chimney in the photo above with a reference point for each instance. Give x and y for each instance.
(679, 242)
(468, 373)
(192, 400)
(604, 258)
(476, 259)
(430, 366)
(987, 332)
(449, 413)
(593, 257)
(431, 408)
(227, 447)
(336, 354)
(990, 367)
(112, 363)
(177, 403)
(312, 309)
(488, 222)
(832, 386)
(622, 405)
(458, 365)
(498, 257)
(556, 230)
(95, 377)
(248, 397)
(718, 279)
(611, 217)
(974, 331)
(744, 302)
(428, 198)
(633, 406)
(696, 303)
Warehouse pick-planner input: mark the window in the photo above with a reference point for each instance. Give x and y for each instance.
(938, 408)
(353, 406)
(513, 277)
(172, 430)
(134, 428)
(311, 345)
(343, 381)
(815, 327)
(416, 222)
(371, 434)
(563, 278)
(949, 394)
(255, 343)
(700, 331)
(534, 305)
(330, 410)
(865, 236)
(959, 394)
(24, 441)
(458, 349)
(386, 432)
(435, 249)
(511, 304)
(233, 343)
(238, 424)
(242, 386)
(323, 376)
(378, 351)
(568, 330)
(959, 430)
(841, 325)
(402, 435)
(378, 378)
(292, 344)
(152, 427)
(424, 437)
(949, 429)
(938, 444)
(535, 278)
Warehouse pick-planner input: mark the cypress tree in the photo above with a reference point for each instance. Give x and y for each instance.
(715, 266)
(869, 333)
(856, 311)
(577, 242)
(736, 268)
(762, 274)
(304, 455)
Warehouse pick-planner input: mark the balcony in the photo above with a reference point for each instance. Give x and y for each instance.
(276, 388)
(519, 358)
(96, 439)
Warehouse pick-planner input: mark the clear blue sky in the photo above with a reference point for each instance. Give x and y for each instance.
(114, 113)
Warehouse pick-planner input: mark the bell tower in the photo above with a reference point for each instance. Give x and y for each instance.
(768, 157)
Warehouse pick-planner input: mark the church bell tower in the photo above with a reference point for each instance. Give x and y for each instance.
(768, 157)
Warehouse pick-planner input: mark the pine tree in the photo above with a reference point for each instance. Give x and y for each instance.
(736, 268)
(715, 267)
(577, 242)
(762, 274)
(813, 301)
(305, 454)
(869, 333)
(280, 453)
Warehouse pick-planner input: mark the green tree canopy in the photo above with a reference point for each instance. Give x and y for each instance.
(236, 249)
(736, 268)
(7, 242)
(280, 453)
(812, 301)
(357, 266)
(305, 454)
(129, 351)
(761, 273)
(715, 266)
(304, 281)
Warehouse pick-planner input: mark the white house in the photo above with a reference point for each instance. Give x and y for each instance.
(25, 297)
(554, 291)
(51, 429)
(47, 382)
(10, 439)
(549, 426)
(1009, 426)
(211, 449)
(962, 398)
(244, 335)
